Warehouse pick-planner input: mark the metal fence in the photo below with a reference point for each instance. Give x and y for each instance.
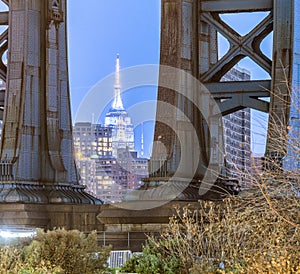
(118, 258)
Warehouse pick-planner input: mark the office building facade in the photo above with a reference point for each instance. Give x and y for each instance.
(237, 133)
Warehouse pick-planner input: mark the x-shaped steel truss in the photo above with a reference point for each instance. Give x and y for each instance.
(234, 96)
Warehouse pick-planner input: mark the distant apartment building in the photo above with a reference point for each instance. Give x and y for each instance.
(237, 133)
(103, 140)
(136, 167)
(84, 148)
(118, 176)
(84, 140)
(105, 176)
(106, 187)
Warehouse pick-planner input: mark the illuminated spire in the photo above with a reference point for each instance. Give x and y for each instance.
(142, 141)
(117, 103)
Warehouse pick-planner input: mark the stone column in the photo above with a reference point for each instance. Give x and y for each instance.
(37, 162)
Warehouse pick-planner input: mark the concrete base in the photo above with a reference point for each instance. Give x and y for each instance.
(117, 214)
(121, 228)
(129, 229)
(23, 216)
(81, 217)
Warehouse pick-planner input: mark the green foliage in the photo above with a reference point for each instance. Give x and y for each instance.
(12, 262)
(72, 251)
(153, 259)
(131, 264)
(55, 252)
(10, 259)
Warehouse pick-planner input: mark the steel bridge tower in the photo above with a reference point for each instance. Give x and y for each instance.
(36, 156)
(189, 43)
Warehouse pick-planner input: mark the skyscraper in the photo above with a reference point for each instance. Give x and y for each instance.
(108, 165)
(117, 118)
(103, 140)
(237, 133)
(85, 148)
(84, 140)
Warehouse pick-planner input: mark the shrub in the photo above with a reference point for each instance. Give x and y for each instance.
(72, 251)
(153, 259)
(55, 252)
(12, 262)
(237, 235)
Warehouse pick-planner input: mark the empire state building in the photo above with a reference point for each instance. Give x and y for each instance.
(117, 118)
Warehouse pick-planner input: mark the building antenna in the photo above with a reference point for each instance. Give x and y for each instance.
(142, 141)
(117, 103)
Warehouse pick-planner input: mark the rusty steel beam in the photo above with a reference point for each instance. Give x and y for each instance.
(241, 101)
(229, 89)
(240, 46)
(235, 6)
(36, 143)
(4, 18)
(189, 32)
(240, 95)
(282, 71)
(2, 97)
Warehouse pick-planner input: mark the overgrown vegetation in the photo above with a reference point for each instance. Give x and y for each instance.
(56, 252)
(241, 235)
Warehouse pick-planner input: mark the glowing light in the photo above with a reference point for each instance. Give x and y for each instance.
(21, 233)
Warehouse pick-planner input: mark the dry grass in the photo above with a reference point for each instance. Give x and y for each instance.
(251, 234)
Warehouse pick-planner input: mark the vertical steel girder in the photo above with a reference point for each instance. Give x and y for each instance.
(282, 71)
(189, 41)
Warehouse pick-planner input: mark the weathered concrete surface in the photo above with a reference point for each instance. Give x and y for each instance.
(81, 217)
(128, 229)
(116, 215)
(23, 216)
(115, 226)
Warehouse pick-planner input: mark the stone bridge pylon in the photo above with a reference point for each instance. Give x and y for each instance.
(36, 157)
(189, 43)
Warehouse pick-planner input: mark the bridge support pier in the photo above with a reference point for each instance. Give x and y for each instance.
(37, 164)
(49, 216)
(190, 84)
